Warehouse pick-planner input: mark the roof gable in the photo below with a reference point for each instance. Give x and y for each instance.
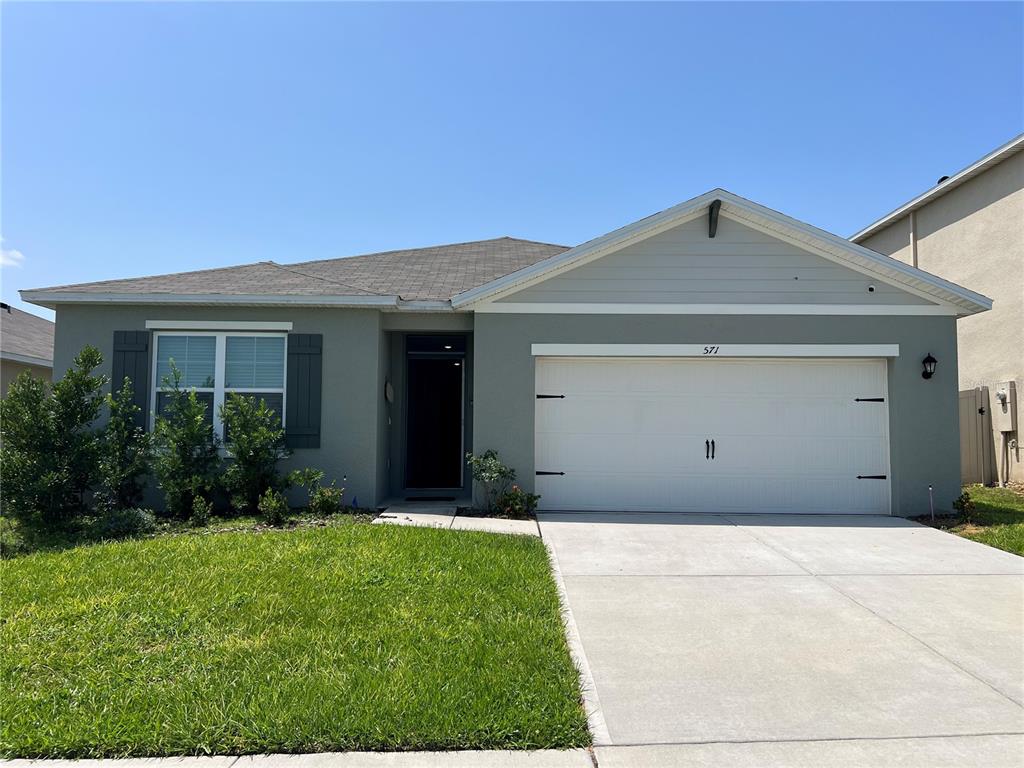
(739, 266)
(951, 298)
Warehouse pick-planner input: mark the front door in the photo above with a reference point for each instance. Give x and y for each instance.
(434, 440)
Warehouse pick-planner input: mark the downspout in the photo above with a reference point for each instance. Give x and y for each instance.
(913, 238)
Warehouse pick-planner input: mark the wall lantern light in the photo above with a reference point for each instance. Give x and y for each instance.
(929, 364)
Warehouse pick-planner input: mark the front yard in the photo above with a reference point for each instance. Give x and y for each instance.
(347, 637)
(998, 519)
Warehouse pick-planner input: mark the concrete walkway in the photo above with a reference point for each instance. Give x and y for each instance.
(433, 516)
(793, 640)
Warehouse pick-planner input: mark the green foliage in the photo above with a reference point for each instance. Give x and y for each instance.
(49, 451)
(491, 476)
(123, 523)
(345, 637)
(255, 440)
(273, 506)
(997, 518)
(201, 511)
(307, 477)
(324, 501)
(516, 503)
(964, 505)
(185, 449)
(124, 454)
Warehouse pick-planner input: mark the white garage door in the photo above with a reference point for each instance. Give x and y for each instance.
(698, 435)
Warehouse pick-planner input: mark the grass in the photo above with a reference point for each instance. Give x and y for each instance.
(347, 637)
(998, 519)
(16, 541)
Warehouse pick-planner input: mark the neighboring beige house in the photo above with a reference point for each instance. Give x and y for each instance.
(969, 229)
(26, 344)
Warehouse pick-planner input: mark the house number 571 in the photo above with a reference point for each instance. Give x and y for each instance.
(711, 349)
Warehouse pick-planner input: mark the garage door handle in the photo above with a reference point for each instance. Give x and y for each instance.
(712, 449)
(707, 449)
(871, 477)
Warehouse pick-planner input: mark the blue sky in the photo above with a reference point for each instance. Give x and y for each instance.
(149, 138)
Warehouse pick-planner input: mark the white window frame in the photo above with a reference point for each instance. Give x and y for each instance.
(219, 389)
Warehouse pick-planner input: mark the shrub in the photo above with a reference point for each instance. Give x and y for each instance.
(273, 506)
(123, 523)
(185, 449)
(124, 454)
(201, 511)
(324, 501)
(516, 503)
(493, 477)
(49, 452)
(255, 440)
(965, 505)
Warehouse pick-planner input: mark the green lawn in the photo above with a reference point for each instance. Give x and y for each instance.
(348, 637)
(998, 519)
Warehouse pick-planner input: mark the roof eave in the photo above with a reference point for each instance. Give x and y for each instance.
(994, 157)
(50, 299)
(14, 357)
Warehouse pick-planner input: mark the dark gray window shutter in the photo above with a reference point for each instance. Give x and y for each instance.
(303, 390)
(131, 359)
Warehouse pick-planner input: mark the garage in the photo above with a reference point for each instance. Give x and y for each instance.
(712, 434)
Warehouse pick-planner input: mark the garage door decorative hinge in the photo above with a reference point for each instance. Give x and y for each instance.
(872, 477)
(869, 399)
(550, 397)
(539, 472)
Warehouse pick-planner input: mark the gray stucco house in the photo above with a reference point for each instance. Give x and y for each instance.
(969, 228)
(715, 357)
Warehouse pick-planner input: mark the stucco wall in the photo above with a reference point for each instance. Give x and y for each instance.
(350, 429)
(974, 235)
(923, 414)
(10, 370)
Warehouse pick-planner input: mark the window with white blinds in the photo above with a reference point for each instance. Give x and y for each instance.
(215, 364)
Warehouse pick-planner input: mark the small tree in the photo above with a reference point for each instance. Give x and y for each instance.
(124, 454)
(255, 440)
(186, 457)
(493, 477)
(49, 450)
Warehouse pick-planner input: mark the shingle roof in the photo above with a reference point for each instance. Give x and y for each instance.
(431, 274)
(25, 335)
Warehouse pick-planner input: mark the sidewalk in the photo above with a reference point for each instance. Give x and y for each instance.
(545, 758)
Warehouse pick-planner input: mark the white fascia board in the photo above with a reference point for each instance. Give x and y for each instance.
(811, 238)
(217, 325)
(510, 308)
(994, 157)
(421, 305)
(42, 362)
(715, 351)
(50, 299)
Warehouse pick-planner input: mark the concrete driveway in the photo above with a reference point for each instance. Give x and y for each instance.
(793, 640)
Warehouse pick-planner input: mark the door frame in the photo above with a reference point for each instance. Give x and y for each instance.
(462, 356)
